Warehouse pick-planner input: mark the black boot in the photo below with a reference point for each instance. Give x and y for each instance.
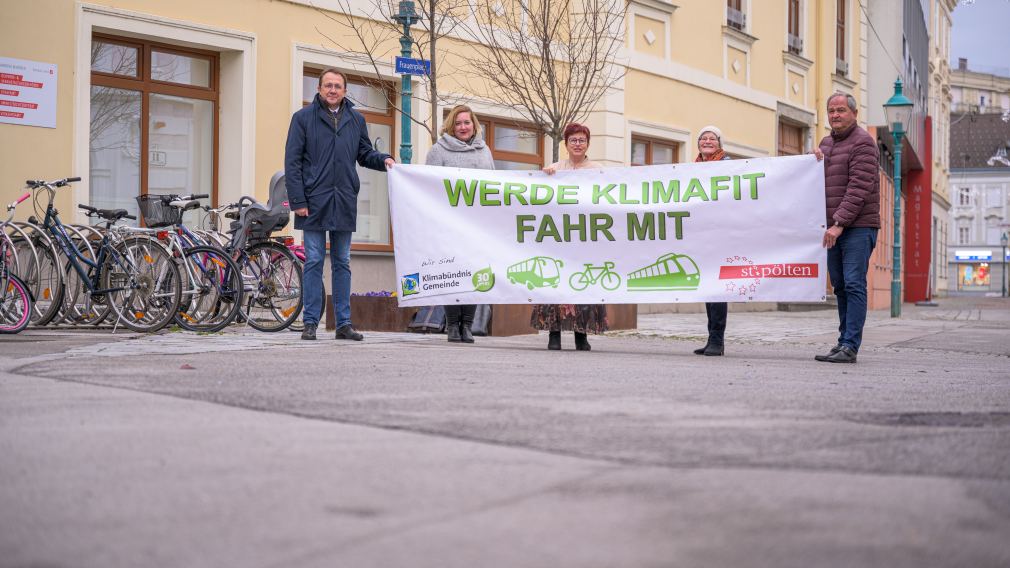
(701, 350)
(466, 323)
(713, 350)
(582, 342)
(452, 324)
(554, 341)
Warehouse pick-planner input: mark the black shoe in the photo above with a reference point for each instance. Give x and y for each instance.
(465, 335)
(348, 332)
(582, 343)
(452, 334)
(713, 350)
(834, 350)
(309, 332)
(701, 350)
(554, 341)
(843, 355)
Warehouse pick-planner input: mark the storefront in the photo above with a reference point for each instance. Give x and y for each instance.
(974, 271)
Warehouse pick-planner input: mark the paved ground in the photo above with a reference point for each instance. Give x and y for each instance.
(249, 449)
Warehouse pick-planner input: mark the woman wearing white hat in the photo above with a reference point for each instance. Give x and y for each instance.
(710, 150)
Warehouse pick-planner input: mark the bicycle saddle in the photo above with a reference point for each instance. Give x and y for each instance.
(107, 214)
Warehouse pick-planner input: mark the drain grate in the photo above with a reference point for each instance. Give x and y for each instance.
(936, 419)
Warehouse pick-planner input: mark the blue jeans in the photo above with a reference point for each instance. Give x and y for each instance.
(848, 262)
(340, 265)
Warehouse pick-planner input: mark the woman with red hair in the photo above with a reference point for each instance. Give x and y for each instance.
(582, 319)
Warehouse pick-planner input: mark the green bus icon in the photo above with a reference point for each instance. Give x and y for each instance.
(669, 272)
(536, 272)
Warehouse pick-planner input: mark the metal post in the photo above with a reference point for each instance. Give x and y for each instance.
(406, 17)
(896, 270)
(406, 152)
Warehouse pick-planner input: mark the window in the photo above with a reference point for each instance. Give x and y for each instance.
(650, 152)
(795, 41)
(841, 61)
(371, 98)
(735, 17)
(514, 146)
(964, 196)
(790, 140)
(153, 126)
(994, 197)
(963, 235)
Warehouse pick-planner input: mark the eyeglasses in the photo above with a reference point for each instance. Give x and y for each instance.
(578, 141)
(333, 87)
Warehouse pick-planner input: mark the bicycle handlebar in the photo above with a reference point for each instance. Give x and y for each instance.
(36, 183)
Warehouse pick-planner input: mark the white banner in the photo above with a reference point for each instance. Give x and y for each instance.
(727, 231)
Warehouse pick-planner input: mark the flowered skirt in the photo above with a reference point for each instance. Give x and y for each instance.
(583, 318)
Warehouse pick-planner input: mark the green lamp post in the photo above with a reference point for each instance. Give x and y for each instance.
(406, 17)
(898, 110)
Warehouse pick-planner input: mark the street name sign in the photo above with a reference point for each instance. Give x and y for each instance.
(408, 66)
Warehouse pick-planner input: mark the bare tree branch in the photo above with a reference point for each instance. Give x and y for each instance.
(551, 61)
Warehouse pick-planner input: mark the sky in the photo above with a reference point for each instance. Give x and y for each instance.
(981, 32)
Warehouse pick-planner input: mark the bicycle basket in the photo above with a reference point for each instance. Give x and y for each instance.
(157, 212)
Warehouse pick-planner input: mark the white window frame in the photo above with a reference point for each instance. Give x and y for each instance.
(236, 159)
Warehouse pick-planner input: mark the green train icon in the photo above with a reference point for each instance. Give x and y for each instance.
(669, 272)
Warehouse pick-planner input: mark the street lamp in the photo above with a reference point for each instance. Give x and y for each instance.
(898, 110)
(406, 17)
(1003, 241)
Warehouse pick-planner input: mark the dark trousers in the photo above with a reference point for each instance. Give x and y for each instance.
(716, 312)
(456, 314)
(848, 262)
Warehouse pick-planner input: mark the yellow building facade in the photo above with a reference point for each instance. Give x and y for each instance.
(191, 96)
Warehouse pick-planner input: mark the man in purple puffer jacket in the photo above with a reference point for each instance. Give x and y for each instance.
(852, 190)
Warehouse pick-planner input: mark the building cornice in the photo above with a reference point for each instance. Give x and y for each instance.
(799, 61)
(738, 35)
(660, 5)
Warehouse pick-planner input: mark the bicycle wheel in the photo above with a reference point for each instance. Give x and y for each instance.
(273, 287)
(80, 306)
(212, 291)
(146, 282)
(578, 281)
(610, 281)
(15, 303)
(45, 281)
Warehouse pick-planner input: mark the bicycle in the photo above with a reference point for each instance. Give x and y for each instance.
(133, 276)
(604, 275)
(212, 282)
(15, 297)
(272, 297)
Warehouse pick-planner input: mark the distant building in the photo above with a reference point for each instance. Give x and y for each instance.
(980, 184)
(978, 91)
(940, 100)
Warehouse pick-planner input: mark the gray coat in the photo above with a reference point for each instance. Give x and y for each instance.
(452, 152)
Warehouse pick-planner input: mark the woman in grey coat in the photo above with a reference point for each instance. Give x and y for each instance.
(461, 145)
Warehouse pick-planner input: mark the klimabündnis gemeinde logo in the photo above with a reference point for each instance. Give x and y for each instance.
(409, 284)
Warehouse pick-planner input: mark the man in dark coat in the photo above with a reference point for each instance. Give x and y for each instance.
(852, 191)
(325, 140)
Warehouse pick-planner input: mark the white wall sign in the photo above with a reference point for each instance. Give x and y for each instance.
(27, 92)
(728, 231)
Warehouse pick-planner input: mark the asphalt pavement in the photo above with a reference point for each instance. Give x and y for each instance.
(260, 450)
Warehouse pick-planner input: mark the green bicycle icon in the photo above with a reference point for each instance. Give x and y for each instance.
(605, 275)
